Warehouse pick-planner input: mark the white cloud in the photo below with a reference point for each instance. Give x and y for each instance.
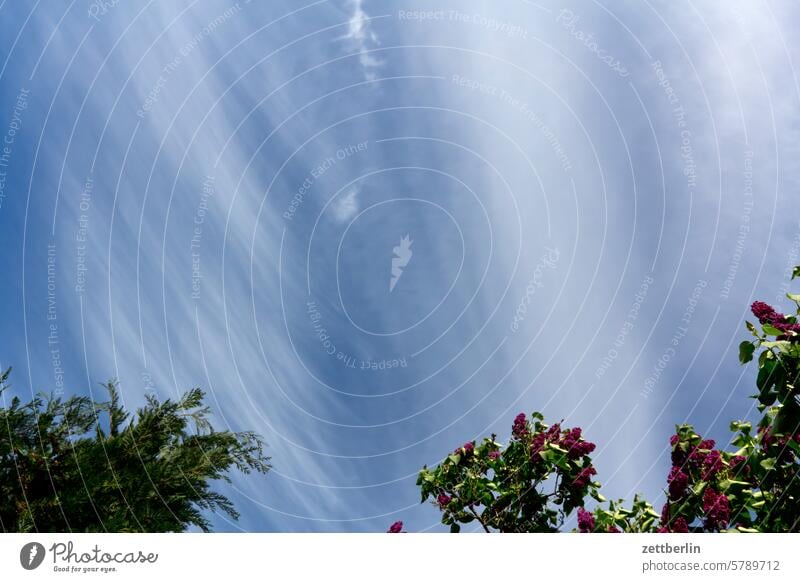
(359, 30)
(362, 38)
(345, 207)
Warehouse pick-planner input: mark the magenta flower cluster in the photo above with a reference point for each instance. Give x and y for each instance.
(467, 449)
(520, 427)
(702, 462)
(677, 525)
(584, 478)
(576, 447)
(677, 481)
(712, 465)
(767, 315)
(717, 509)
(781, 443)
(569, 439)
(585, 521)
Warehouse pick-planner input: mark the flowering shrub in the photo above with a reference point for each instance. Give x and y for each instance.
(530, 485)
(640, 518)
(756, 487)
(702, 484)
(534, 483)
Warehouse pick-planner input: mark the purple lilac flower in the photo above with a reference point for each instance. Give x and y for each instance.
(584, 478)
(712, 465)
(699, 453)
(765, 313)
(680, 526)
(575, 447)
(585, 521)
(717, 509)
(537, 446)
(520, 427)
(677, 482)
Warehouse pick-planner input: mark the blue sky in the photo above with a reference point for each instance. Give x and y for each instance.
(212, 193)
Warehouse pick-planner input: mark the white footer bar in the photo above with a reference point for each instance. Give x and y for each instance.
(406, 557)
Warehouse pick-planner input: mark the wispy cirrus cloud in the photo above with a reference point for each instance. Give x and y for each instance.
(508, 112)
(362, 38)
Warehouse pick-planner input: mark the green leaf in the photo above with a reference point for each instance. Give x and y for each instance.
(744, 427)
(794, 296)
(795, 272)
(770, 330)
(783, 346)
(767, 399)
(455, 528)
(698, 488)
(746, 350)
(455, 459)
(768, 463)
(766, 375)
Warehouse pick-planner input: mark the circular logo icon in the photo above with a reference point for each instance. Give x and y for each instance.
(31, 555)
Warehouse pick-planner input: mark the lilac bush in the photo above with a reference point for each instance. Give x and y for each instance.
(545, 472)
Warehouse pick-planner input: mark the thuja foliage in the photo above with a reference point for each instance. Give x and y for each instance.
(544, 474)
(77, 465)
